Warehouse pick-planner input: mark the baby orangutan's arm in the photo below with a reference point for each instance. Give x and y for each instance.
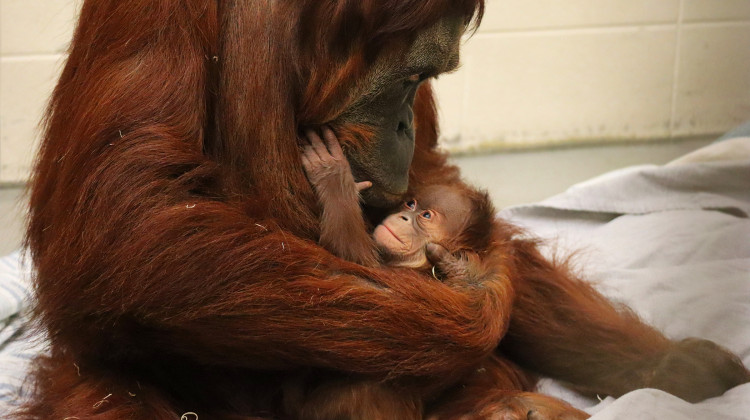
(342, 227)
(464, 268)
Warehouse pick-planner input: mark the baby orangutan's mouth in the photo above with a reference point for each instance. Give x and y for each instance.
(392, 233)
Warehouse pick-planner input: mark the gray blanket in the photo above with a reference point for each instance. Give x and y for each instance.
(673, 242)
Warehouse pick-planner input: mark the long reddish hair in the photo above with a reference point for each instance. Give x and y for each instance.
(312, 69)
(163, 103)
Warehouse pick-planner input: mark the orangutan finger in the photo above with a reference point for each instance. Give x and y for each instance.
(361, 186)
(305, 162)
(315, 144)
(319, 147)
(310, 154)
(333, 143)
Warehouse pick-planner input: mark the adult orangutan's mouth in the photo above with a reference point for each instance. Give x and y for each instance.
(377, 197)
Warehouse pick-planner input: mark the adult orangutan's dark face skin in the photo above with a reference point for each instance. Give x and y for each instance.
(386, 105)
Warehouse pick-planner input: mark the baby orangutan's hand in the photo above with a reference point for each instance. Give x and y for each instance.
(459, 269)
(326, 166)
(342, 228)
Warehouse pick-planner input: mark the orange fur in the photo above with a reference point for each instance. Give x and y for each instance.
(171, 223)
(174, 234)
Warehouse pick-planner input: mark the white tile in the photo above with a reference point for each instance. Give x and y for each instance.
(542, 14)
(36, 26)
(450, 91)
(712, 10)
(25, 87)
(576, 87)
(713, 83)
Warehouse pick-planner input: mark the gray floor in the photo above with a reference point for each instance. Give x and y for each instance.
(529, 176)
(511, 177)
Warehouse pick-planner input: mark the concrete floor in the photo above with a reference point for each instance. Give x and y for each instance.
(529, 176)
(510, 177)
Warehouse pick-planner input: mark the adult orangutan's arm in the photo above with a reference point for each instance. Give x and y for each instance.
(199, 278)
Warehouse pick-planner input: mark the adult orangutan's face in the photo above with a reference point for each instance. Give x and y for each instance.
(387, 104)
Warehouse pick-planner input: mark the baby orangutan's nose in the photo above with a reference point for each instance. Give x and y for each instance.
(404, 217)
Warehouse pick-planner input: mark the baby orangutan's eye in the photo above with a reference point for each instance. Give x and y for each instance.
(411, 204)
(427, 214)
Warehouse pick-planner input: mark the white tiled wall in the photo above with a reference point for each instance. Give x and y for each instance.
(542, 72)
(33, 37)
(537, 72)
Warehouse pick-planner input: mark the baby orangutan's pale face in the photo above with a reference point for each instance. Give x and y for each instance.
(437, 214)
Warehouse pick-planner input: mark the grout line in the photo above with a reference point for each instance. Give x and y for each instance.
(717, 23)
(598, 28)
(18, 58)
(676, 69)
(577, 30)
(12, 185)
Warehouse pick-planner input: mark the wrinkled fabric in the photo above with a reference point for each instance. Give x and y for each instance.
(673, 243)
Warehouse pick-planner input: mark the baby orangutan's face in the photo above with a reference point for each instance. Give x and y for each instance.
(436, 215)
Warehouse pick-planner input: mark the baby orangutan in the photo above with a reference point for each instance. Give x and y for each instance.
(445, 231)
(438, 222)
(434, 223)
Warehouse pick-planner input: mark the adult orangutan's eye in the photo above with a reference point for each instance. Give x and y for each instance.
(411, 204)
(427, 214)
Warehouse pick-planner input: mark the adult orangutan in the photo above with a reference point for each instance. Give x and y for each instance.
(174, 233)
